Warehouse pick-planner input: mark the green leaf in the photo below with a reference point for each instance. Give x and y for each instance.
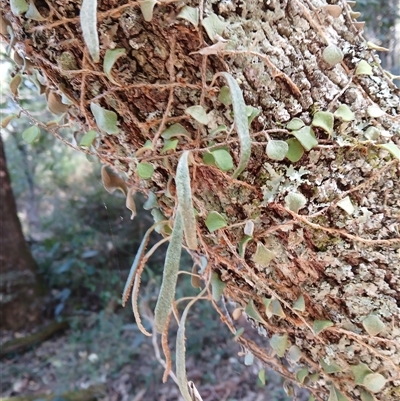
(374, 382)
(220, 128)
(301, 375)
(185, 202)
(252, 311)
(324, 120)
(239, 332)
(145, 170)
(88, 138)
(279, 344)
(158, 217)
(277, 150)
(261, 376)
(336, 395)
(213, 26)
(295, 151)
(331, 368)
(373, 325)
(215, 221)
(375, 111)
(346, 205)
(198, 113)
(223, 159)
(306, 137)
(252, 113)
(190, 14)
(208, 159)
(112, 181)
(170, 276)
(146, 7)
(332, 55)
(147, 146)
(31, 134)
(240, 118)
(217, 286)
(365, 396)
(295, 124)
(360, 371)
(344, 113)
(243, 243)
(151, 201)
(106, 120)
(109, 60)
(267, 304)
(372, 133)
(33, 12)
(18, 7)
(88, 17)
(295, 201)
(320, 325)
(169, 144)
(294, 353)
(225, 96)
(263, 255)
(392, 148)
(175, 130)
(300, 304)
(14, 84)
(363, 68)
(275, 308)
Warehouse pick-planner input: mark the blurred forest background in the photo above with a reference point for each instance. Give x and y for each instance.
(84, 242)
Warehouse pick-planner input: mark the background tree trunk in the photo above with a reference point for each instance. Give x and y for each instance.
(20, 290)
(336, 253)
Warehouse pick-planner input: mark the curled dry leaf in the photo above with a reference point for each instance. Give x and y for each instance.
(333, 10)
(130, 202)
(14, 84)
(54, 103)
(112, 181)
(109, 60)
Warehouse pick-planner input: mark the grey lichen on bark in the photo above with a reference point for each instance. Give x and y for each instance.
(341, 250)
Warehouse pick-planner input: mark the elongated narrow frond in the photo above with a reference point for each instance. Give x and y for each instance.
(241, 123)
(135, 308)
(88, 18)
(136, 263)
(136, 285)
(170, 276)
(185, 203)
(181, 351)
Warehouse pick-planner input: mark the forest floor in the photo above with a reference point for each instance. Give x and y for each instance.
(107, 349)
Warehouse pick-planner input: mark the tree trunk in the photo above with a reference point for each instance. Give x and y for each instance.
(321, 269)
(20, 290)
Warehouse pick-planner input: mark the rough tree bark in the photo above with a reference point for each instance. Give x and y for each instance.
(20, 289)
(320, 272)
